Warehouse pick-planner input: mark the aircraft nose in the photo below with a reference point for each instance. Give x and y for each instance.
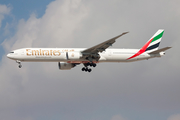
(8, 55)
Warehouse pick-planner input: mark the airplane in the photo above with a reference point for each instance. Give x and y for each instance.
(68, 58)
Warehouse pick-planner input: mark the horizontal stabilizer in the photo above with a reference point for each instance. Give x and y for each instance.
(160, 50)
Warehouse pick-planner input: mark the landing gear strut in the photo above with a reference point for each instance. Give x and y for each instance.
(19, 62)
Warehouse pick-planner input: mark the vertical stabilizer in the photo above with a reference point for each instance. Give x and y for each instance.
(155, 41)
(151, 45)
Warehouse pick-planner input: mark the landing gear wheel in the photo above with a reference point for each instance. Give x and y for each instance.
(86, 69)
(83, 69)
(94, 65)
(20, 66)
(19, 62)
(89, 70)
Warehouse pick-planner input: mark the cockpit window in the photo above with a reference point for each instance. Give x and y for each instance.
(11, 52)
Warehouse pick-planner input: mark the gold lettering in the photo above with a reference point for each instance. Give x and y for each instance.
(46, 52)
(35, 51)
(59, 53)
(27, 50)
(51, 52)
(56, 51)
(40, 52)
(43, 52)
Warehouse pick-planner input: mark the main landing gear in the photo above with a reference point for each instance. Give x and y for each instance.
(86, 69)
(19, 62)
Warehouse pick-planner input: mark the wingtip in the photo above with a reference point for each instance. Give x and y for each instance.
(169, 47)
(126, 32)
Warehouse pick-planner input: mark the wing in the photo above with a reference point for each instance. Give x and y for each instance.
(102, 46)
(92, 53)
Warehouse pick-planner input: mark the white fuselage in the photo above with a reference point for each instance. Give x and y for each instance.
(73, 55)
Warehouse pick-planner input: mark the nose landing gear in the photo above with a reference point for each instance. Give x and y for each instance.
(20, 66)
(19, 62)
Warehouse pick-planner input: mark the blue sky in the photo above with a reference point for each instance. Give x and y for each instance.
(20, 9)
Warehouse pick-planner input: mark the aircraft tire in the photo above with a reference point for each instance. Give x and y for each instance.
(89, 70)
(94, 65)
(84, 69)
(90, 64)
(20, 66)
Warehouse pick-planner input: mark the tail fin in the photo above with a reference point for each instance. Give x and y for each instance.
(154, 42)
(151, 45)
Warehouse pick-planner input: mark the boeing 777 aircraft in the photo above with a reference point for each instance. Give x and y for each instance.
(68, 58)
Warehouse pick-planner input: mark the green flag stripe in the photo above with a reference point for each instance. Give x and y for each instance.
(157, 37)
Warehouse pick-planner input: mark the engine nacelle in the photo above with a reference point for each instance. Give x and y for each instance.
(74, 55)
(65, 66)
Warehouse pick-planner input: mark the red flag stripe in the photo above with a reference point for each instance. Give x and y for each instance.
(142, 50)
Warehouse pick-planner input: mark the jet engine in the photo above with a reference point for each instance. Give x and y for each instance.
(65, 66)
